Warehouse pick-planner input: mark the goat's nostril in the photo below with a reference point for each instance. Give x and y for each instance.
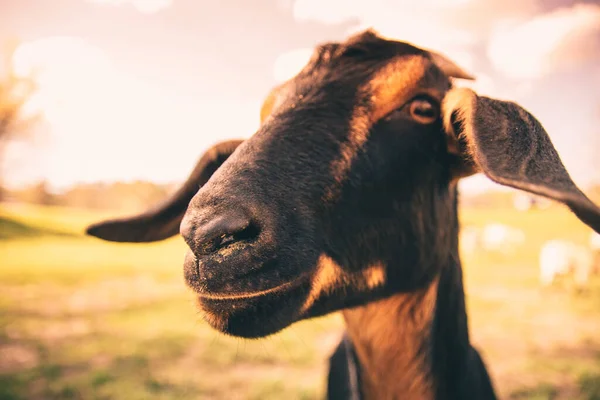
(221, 232)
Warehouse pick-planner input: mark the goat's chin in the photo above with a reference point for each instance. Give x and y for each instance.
(257, 316)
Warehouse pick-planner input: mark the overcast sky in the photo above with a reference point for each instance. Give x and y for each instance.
(137, 89)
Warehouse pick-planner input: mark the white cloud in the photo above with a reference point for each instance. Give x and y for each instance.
(327, 12)
(109, 125)
(63, 67)
(444, 25)
(547, 43)
(523, 43)
(451, 27)
(290, 63)
(422, 23)
(420, 26)
(437, 25)
(31, 56)
(143, 6)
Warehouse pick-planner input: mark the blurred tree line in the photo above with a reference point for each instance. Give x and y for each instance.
(123, 196)
(140, 195)
(16, 121)
(506, 198)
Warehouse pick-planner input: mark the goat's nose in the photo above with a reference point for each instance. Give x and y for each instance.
(217, 231)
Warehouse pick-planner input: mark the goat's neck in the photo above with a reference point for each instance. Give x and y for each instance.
(413, 345)
(392, 338)
(416, 345)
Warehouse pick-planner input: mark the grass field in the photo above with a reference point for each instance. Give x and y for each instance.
(85, 319)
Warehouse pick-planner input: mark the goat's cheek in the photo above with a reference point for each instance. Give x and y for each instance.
(375, 276)
(330, 277)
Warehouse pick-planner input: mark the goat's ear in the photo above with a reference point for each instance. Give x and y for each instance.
(509, 145)
(449, 67)
(163, 221)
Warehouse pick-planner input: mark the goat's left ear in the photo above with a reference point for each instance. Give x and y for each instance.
(510, 146)
(162, 221)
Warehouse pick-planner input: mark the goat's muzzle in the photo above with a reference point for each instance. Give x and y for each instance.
(218, 232)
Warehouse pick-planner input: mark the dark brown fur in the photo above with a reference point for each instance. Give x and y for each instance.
(345, 199)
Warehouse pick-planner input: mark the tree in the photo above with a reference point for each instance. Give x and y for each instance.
(15, 92)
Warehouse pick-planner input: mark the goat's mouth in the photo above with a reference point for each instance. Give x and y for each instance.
(279, 289)
(257, 315)
(256, 303)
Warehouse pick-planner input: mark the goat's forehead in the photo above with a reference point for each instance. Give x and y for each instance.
(385, 73)
(402, 78)
(386, 81)
(365, 46)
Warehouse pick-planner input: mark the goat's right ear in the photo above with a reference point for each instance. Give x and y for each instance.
(510, 146)
(163, 221)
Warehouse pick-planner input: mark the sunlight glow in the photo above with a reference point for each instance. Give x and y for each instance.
(143, 6)
(109, 125)
(290, 63)
(546, 43)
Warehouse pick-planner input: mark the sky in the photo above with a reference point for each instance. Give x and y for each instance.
(138, 89)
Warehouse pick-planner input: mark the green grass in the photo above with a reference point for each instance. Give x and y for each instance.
(86, 319)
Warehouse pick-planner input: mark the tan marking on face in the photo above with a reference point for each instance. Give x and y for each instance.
(390, 87)
(330, 276)
(274, 100)
(267, 106)
(359, 130)
(395, 83)
(325, 279)
(374, 275)
(460, 102)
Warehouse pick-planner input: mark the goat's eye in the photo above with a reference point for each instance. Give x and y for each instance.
(423, 111)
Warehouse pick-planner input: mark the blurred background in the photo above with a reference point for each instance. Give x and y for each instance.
(105, 106)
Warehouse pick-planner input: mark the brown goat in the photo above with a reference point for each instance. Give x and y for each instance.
(346, 199)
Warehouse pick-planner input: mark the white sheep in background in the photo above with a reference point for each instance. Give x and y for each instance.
(561, 257)
(501, 238)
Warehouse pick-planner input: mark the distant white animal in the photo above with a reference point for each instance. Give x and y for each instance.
(501, 238)
(525, 202)
(561, 257)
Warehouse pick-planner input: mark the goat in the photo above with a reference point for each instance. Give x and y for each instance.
(501, 238)
(346, 199)
(561, 257)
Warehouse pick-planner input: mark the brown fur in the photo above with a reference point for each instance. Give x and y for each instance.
(330, 275)
(397, 80)
(392, 335)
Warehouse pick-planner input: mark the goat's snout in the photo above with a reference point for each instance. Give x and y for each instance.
(216, 231)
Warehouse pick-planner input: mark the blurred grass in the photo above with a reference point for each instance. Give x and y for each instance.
(86, 319)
